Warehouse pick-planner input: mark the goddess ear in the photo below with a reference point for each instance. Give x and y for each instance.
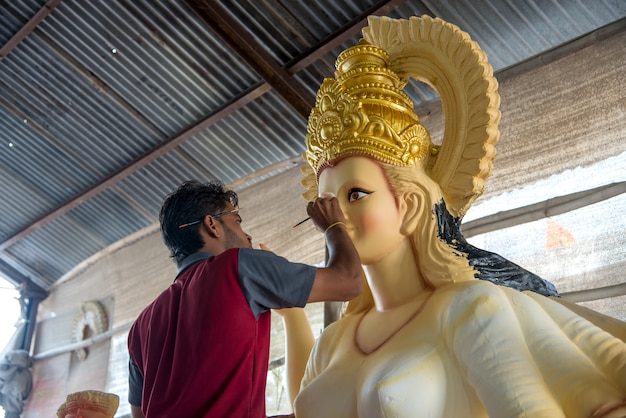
(410, 202)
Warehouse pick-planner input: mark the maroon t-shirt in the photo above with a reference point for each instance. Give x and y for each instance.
(202, 347)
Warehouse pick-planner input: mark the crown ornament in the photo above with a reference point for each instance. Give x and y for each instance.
(364, 111)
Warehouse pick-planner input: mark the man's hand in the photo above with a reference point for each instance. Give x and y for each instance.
(325, 211)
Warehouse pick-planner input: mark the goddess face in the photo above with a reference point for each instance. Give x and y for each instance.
(373, 215)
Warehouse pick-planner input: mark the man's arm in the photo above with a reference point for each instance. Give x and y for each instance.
(342, 278)
(135, 411)
(135, 385)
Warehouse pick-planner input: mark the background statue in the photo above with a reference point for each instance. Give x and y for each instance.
(89, 404)
(16, 381)
(444, 329)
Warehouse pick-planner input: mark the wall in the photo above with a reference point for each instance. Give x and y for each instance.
(555, 117)
(562, 115)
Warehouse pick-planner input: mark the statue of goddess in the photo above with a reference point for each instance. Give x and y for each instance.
(443, 329)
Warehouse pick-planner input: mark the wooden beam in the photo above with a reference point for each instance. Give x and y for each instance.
(589, 295)
(562, 50)
(348, 31)
(106, 335)
(340, 36)
(28, 28)
(550, 207)
(137, 164)
(10, 272)
(238, 38)
(181, 137)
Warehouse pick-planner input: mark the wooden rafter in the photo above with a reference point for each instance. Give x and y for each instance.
(326, 45)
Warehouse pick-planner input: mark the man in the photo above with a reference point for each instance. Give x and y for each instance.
(201, 348)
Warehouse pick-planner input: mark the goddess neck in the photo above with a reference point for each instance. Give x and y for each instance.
(395, 279)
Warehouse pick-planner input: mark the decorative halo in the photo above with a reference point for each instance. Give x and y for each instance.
(442, 55)
(92, 316)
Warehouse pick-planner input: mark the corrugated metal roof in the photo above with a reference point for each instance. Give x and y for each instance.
(107, 106)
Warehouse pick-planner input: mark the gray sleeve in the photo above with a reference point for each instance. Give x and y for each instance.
(135, 383)
(270, 281)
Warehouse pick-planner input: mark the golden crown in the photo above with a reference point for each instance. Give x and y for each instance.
(365, 112)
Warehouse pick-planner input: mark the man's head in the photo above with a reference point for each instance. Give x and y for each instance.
(185, 217)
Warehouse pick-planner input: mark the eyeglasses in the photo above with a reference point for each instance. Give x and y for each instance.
(216, 216)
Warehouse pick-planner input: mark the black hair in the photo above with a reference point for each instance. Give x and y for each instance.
(489, 266)
(191, 201)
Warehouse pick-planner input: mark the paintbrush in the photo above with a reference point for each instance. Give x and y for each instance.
(326, 195)
(302, 221)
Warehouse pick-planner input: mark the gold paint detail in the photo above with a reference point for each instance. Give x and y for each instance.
(364, 110)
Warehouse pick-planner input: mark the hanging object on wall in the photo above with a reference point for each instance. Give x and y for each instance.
(91, 320)
(16, 381)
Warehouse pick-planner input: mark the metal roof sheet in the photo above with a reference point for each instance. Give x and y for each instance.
(106, 106)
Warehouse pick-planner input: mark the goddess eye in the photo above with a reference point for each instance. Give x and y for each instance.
(357, 194)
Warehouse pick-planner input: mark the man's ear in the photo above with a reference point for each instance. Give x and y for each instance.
(210, 224)
(411, 204)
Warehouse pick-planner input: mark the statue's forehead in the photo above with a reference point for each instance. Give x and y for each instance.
(352, 169)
